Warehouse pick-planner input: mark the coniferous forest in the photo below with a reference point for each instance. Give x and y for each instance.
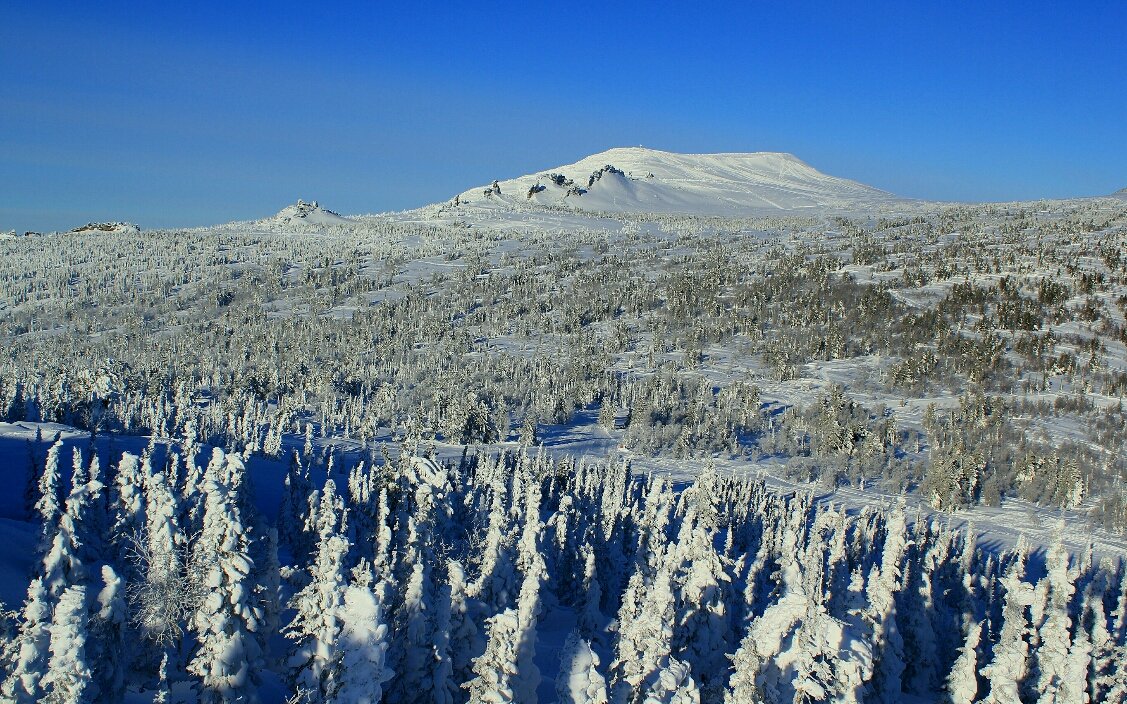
(487, 456)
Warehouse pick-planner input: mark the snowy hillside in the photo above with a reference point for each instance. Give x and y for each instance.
(767, 436)
(302, 214)
(635, 179)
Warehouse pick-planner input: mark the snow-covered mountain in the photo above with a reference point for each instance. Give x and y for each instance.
(636, 179)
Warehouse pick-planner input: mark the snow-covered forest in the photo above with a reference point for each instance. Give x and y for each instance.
(476, 453)
(412, 580)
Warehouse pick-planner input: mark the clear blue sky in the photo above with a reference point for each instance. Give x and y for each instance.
(173, 114)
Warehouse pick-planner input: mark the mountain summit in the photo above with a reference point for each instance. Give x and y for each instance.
(310, 213)
(636, 179)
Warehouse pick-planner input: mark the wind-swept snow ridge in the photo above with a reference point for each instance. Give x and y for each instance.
(636, 179)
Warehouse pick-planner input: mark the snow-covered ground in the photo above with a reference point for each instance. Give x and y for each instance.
(633, 281)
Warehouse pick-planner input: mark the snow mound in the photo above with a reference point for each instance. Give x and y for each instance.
(109, 227)
(311, 213)
(635, 179)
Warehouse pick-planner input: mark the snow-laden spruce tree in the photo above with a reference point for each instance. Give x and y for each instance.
(652, 523)
(771, 638)
(496, 668)
(293, 511)
(163, 580)
(9, 640)
(92, 514)
(423, 670)
(49, 504)
(673, 684)
(364, 486)
(744, 670)
(110, 644)
(591, 622)
(163, 536)
(443, 683)
(496, 585)
(1051, 660)
(644, 641)
(1009, 666)
(127, 502)
(579, 680)
(31, 492)
(1108, 668)
(1118, 621)
(801, 652)
(22, 686)
(68, 675)
(315, 628)
(921, 651)
(228, 658)
(62, 565)
(962, 681)
(883, 586)
(702, 632)
(363, 647)
(565, 561)
(832, 661)
(529, 600)
(1073, 688)
(466, 642)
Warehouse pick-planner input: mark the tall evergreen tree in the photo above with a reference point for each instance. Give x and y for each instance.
(496, 668)
(363, 646)
(23, 685)
(962, 682)
(49, 504)
(316, 625)
(1009, 665)
(227, 659)
(68, 675)
(579, 680)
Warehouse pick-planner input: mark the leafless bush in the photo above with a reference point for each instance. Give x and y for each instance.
(168, 589)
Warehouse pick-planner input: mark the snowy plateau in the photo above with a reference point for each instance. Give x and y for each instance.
(649, 428)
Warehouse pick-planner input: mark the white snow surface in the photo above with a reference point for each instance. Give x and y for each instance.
(665, 182)
(309, 213)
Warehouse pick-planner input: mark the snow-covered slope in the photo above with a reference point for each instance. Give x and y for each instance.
(309, 213)
(635, 179)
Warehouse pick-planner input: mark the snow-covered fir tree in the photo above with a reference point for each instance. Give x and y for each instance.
(314, 663)
(68, 678)
(23, 684)
(962, 682)
(363, 646)
(227, 659)
(579, 680)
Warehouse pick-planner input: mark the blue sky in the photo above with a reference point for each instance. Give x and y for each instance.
(194, 113)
